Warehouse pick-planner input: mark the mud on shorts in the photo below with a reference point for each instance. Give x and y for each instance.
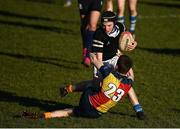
(86, 6)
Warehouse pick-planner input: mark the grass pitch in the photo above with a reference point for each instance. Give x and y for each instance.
(40, 50)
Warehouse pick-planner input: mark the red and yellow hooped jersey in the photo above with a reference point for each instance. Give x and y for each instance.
(113, 90)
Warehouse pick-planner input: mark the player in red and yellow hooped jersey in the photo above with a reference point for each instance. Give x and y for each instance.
(97, 100)
(114, 87)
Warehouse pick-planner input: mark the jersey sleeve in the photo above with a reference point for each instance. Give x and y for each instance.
(98, 43)
(105, 70)
(122, 27)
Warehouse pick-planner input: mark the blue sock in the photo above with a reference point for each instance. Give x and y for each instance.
(89, 39)
(137, 108)
(132, 23)
(121, 19)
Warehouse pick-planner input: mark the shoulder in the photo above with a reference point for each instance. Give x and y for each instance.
(123, 79)
(100, 34)
(121, 26)
(99, 31)
(106, 70)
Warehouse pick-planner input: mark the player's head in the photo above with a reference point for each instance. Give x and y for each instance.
(108, 20)
(124, 63)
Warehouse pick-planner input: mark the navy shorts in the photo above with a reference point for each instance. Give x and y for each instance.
(85, 109)
(86, 6)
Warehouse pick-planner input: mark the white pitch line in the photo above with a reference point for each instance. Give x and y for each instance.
(157, 17)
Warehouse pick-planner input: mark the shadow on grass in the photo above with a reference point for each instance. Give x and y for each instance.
(166, 51)
(15, 15)
(176, 110)
(122, 114)
(46, 60)
(38, 27)
(43, 1)
(44, 105)
(12, 14)
(160, 4)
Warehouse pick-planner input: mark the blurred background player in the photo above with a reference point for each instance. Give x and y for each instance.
(132, 6)
(68, 3)
(89, 15)
(109, 5)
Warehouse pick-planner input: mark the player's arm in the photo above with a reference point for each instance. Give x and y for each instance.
(130, 74)
(97, 62)
(99, 56)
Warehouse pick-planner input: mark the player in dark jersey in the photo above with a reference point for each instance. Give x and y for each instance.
(89, 15)
(96, 101)
(105, 41)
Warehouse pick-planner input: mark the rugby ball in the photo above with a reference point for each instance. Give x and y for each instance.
(125, 39)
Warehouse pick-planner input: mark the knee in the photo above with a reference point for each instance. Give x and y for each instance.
(92, 27)
(133, 11)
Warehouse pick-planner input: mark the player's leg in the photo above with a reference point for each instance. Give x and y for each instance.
(109, 5)
(83, 26)
(84, 17)
(133, 15)
(121, 8)
(91, 28)
(58, 113)
(78, 87)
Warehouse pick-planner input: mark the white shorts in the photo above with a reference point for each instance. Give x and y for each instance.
(111, 63)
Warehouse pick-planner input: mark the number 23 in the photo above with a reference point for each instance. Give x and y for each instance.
(112, 89)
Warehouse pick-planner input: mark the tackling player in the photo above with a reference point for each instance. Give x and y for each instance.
(96, 101)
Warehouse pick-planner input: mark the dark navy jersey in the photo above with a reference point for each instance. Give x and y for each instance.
(107, 44)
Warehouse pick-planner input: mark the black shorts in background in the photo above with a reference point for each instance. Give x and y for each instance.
(86, 6)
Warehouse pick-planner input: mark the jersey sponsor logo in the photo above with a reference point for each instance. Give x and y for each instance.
(108, 43)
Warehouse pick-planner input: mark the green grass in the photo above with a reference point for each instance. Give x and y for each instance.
(40, 50)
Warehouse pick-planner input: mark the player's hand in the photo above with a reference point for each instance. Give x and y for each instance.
(132, 46)
(95, 61)
(119, 53)
(93, 57)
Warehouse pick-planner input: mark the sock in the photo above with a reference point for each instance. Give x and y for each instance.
(89, 39)
(69, 88)
(132, 23)
(84, 52)
(47, 115)
(121, 19)
(137, 108)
